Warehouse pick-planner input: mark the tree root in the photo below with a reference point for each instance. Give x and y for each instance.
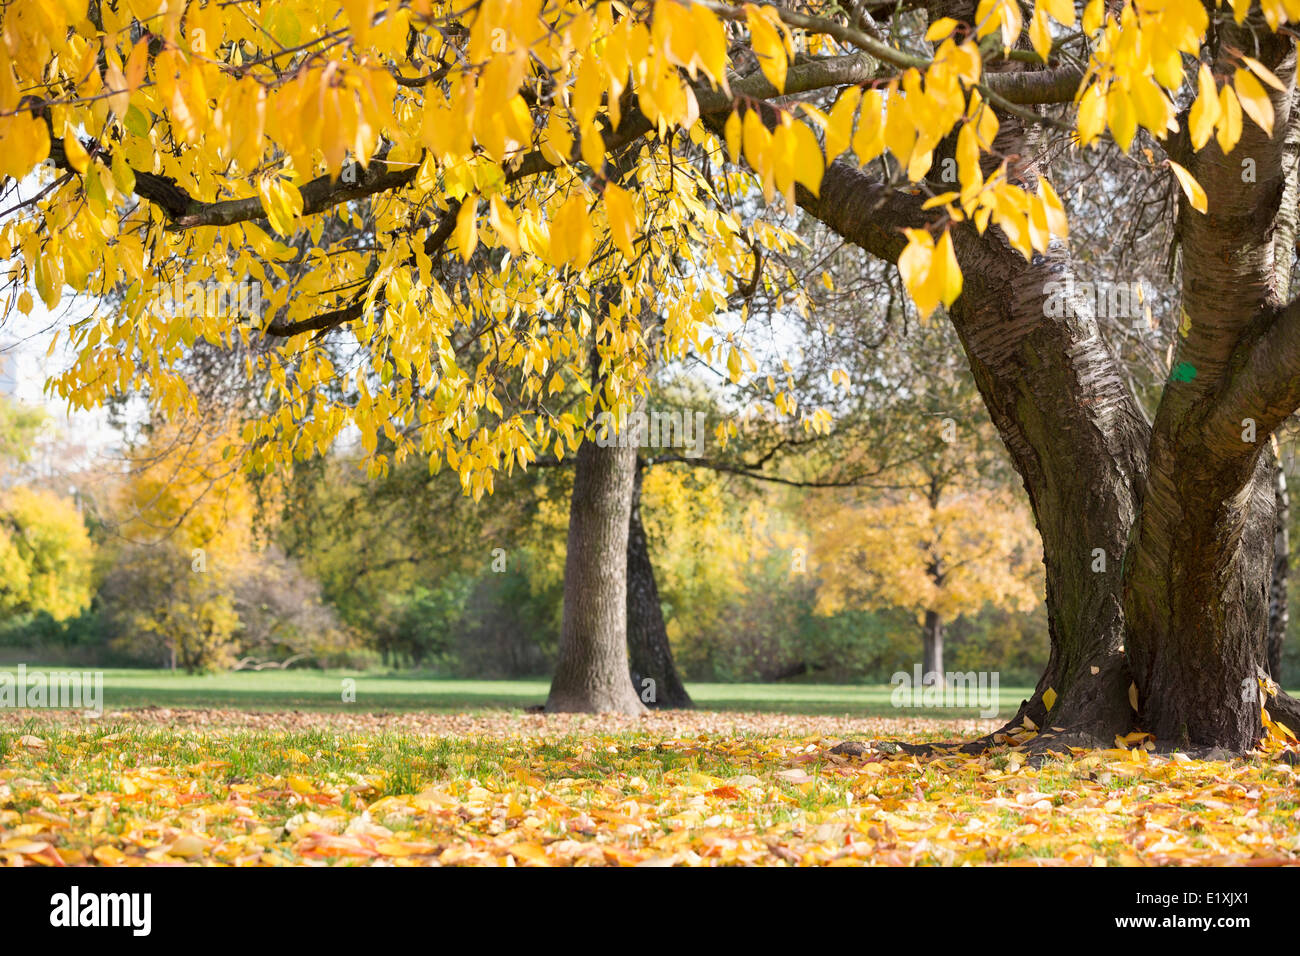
(1285, 709)
(1051, 742)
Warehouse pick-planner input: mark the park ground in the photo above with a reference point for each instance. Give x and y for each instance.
(273, 769)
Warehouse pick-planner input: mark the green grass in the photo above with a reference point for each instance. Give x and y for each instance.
(398, 691)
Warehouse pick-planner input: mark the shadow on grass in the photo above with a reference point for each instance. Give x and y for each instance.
(415, 691)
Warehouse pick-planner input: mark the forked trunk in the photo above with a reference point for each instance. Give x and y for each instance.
(1157, 537)
(654, 674)
(1200, 564)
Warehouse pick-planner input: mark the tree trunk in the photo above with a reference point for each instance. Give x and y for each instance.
(1071, 425)
(1278, 611)
(650, 653)
(1198, 577)
(592, 673)
(1196, 601)
(1157, 537)
(933, 649)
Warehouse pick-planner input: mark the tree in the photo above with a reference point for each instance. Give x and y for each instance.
(20, 426)
(592, 671)
(172, 133)
(942, 552)
(162, 610)
(185, 530)
(46, 556)
(650, 653)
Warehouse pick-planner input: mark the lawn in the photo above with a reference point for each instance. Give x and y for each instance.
(274, 769)
(222, 787)
(405, 691)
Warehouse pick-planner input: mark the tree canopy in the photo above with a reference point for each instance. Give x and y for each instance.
(542, 199)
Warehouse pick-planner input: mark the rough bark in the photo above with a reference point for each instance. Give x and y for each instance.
(1199, 567)
(1157, 537)
(649, 651)
(591, 675)
(1278, 610)
(1073, 430)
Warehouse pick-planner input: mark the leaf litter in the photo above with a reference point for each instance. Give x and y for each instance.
(190, 787)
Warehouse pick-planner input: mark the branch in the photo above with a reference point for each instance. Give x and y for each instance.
(1263, 380)
(803, 77)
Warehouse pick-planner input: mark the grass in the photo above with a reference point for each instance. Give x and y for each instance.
(410, 691)
(671, 789)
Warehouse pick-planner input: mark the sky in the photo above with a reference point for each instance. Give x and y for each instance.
(76, 440)
(79, 439)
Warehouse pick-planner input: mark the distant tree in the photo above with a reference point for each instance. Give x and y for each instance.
(185, 526)
(163, 611)
(941, 551)
(20, 426)
(46, 556)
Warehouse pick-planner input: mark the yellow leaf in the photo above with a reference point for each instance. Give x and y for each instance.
(1121, 117)
(1040, 34)
(1195, 194)
(529, 853)
(900, 133)
(768, 44)
(808, 164)
(137, 64)
(710, 44)
(1057, 221)
(502, 219)
(571, 238)
(1093, 14)
(466, 231)
(1092, 114)
(282, 203)
(869, 139)
(944, 271)
(123, 174)
(839, 130)
(1264, 73)
(1205, 111)
(622, 219)
(1229, 127)
(1062, 11)
(1049, 698)
(1254, 101)
(78, 158)
(940, 29)
(1133, 696)
(108, 855)
(914, 269)
(732, 133)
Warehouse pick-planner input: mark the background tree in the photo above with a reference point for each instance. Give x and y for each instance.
(46, 562)
(516, 108)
